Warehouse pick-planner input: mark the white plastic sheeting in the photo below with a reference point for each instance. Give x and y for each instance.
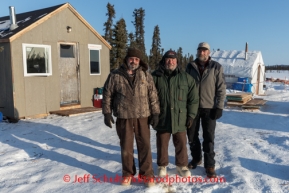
(235, 65)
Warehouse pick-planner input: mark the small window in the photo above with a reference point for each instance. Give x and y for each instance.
(94, 62)
(37, 60)
(94, 59)
(66, 51)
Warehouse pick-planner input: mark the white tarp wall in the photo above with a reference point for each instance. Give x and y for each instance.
(235, 65)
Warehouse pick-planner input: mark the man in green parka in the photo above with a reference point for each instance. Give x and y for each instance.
(179, 101)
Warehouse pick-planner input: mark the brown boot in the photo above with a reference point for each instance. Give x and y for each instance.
(194, 163)
(211, 172)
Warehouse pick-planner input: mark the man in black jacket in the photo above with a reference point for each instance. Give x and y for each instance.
(210, 82)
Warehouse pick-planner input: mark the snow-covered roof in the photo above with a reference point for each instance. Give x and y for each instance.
(235, 58)
(23, 20)
(234, 62)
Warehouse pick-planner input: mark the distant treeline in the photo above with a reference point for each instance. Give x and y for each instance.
(277, 67)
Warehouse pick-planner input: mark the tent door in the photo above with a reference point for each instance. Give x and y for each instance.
(69, 73)
(258, 80)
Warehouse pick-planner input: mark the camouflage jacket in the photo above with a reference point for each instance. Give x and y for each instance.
(127, 99)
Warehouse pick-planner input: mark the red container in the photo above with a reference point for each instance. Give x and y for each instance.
(97, 101)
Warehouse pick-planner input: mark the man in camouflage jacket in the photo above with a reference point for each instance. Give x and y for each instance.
(130, 94)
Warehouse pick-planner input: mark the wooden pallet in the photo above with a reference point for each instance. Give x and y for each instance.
(76, 111)
(238, 99)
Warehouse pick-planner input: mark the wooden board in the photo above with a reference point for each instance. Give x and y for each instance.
(250, 107)
(72, 112)
(247, 99)
(258, 98)
(73, 106)
(231, 98)
(235, 98)
(239, 94)
(237, 103)
(234, 103)
(255, 102)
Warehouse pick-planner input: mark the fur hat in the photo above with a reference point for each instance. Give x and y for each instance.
(134, 52)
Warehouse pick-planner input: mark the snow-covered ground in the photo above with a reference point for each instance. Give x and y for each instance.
(50, 154)
(281, 74)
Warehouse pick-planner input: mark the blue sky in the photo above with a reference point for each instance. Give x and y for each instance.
(224, 24)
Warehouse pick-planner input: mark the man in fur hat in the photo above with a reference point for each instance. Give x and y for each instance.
(130, 94)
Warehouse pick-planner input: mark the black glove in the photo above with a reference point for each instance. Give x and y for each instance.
(154, 120)
(216, 113)
(189, 122)
(108, 120)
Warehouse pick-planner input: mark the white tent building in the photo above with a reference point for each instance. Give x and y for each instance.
(238, 64)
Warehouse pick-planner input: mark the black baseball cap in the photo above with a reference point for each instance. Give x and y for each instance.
(170, 54)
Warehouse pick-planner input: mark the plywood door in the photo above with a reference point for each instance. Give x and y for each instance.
(69, 73)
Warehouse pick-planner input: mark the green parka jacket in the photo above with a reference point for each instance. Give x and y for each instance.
(178, 99)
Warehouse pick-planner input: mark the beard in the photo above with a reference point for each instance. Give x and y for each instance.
(202, 58)
(132, 66)
(170, 67)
